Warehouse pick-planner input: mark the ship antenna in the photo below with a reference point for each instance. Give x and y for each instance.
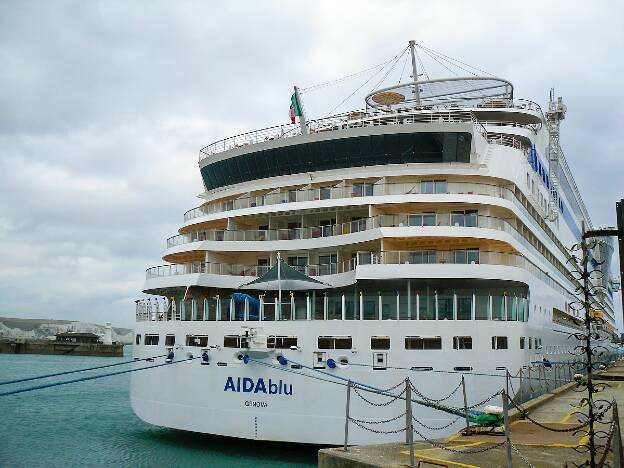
(412, 44)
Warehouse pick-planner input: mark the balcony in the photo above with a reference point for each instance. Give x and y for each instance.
(426, 187)
(472, 258)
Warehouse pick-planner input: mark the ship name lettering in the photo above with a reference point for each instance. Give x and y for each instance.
(248, 385)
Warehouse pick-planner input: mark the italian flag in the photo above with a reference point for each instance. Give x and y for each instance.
(295, 108)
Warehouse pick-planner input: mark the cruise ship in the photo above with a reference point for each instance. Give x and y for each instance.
(426, 236)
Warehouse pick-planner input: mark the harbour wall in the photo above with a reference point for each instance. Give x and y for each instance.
(23, 346)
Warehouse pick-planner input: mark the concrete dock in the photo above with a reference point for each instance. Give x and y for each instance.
(534, 446)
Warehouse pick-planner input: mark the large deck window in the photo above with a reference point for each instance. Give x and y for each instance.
(382, 299)
(369, 150)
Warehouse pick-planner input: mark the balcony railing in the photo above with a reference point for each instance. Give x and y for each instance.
(407, 220)
(350, 191)
(472, 257)
(358, 119)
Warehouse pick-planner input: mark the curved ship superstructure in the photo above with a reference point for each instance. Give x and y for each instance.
(425, 236)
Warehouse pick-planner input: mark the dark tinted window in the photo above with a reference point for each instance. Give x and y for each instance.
(281, 342)
(231, 341)
(397, 148)
(418, 342)
(335, 342)
(151, 340)
(380, 342)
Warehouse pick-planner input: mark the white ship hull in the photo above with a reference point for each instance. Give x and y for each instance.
(195, 397)
(436, 229)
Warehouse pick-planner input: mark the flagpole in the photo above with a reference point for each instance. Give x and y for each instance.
(302, 118)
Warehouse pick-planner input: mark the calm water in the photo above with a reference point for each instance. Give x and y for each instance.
(91, 424)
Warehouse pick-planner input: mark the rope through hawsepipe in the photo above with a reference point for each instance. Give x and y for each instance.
(93, 377)
(37, 377)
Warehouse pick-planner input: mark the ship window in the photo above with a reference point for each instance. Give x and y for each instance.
(197, 340)
(421, 342)
(298, 263)
(433, 186)
(499, 342)
(151, 340)
(169, 340)
(362, 190)
(462, 342)
(422, 256)
(470, 256)
(530, 342)
(234, 341)
(522, 340)
(398, 148)
(335, 342)
(462, 369)
(281, 342)
(137, 340)
(325, 193)
(464, 218)
(422, 219)
(380, 342)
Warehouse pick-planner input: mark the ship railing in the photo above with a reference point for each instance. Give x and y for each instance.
(465, 256)
(429, 187)
(337, 191)
(421, 219)
(459, 219)
(360, 118)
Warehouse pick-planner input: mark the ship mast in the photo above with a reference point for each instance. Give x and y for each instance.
(412, 45)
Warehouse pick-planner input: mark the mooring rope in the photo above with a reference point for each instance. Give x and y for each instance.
(92, 377)
(26, 379)
(369, 388)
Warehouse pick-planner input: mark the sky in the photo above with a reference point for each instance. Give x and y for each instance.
(104, 106)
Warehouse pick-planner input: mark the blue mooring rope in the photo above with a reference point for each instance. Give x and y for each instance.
(26, 379)
(93, 377)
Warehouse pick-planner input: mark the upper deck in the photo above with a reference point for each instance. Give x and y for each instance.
(521, 112)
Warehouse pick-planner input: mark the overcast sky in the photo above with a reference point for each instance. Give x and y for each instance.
(104, 106)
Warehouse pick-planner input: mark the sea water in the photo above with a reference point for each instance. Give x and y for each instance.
(92, 424)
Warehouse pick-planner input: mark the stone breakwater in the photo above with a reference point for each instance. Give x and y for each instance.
(26, 346)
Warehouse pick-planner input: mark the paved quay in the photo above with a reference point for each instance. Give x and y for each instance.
(533, 445)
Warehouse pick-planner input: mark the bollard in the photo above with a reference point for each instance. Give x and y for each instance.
(409, 426)
(346, 439)
(507, 429)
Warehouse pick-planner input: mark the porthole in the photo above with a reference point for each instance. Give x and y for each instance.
(342, 361)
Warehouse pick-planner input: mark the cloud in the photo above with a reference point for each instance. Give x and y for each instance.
(104, 106)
